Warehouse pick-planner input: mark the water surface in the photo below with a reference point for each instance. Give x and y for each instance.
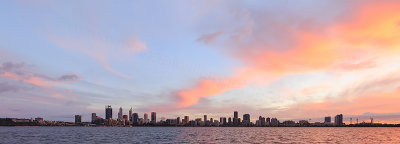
(199, 135)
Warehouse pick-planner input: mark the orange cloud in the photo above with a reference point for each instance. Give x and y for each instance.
(371, 31)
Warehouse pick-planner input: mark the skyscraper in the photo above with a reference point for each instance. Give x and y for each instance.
(236, 120)
(108, 112)
(178, 120)
(339, 120)
(120, 113)
(146, 118)
(130, 114)
(153, 117)
(78, 119)
(135, 118)
(246, 119)
(205, 118)
(186, 120)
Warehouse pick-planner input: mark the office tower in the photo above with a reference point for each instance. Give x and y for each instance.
(224, 119)
(94, 117)
(221, 121)
(186, 121)
(120, 113)
(108, 112)
(153, 117)
(339, 120)
(78, 119)
(135, 118)
(130, 114)
(327, 120)
(246, 119)
(205, 118)
(229, 120)
(236, 120)
(235, 114)
(211, 120)
(178, 120)
(146, 118)
(261, 120)
(274, 122)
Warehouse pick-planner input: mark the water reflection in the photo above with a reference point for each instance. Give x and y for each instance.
(199, 135)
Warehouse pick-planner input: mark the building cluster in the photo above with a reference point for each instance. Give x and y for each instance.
(133, 119)
(32, 122)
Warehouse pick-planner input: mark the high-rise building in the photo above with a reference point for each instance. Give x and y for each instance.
(339, 120)
(108, 112)
(246, 119)
(153, 117)
(135, 118)
(274, 122)
(120, 113)
(94, 117)
(205, 118)
(235, 114)
(146, 118)
(78, 119)
(327, 120)
(130, 114)
(178, 120)
(186, 120)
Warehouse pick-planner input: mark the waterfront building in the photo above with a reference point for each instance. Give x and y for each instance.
(339, 120)
(216, 123)
(205, 118)
(186, 120)
(268, 121)
(78, 119)
(146, 118)
(178, 120)
(235, 114)
(274, 122)
(130, 114)
(108, 112)
(246, 119)
(94, 117)
(120, 114)
(135, 118)
(153, 117)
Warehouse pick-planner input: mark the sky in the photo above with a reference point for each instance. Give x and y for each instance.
(275, 58)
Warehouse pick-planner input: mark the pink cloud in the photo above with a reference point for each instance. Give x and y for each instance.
(372, 32)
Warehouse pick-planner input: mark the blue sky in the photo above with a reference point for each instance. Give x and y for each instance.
(192, 57)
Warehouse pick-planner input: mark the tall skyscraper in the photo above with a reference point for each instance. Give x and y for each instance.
(205, 118)
(153, 117)
(146, 118)
(135, 118)
(94, 117)
(120, 113)
(246, 118)
(78, 119)
(339, 120)
(235, 114)
(186, 120)
(108, 112)
(178, 120)
(130, 114)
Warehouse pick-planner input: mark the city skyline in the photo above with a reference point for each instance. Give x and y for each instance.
(292, 60)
